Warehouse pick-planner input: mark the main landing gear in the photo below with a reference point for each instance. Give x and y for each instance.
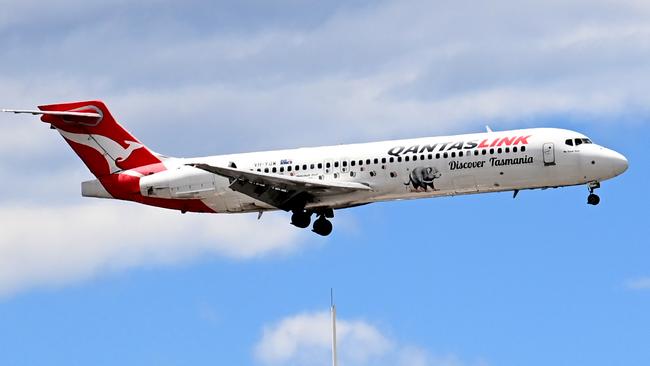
(593, 198)
(322, 226)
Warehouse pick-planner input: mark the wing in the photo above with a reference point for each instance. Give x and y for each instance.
(284, 192)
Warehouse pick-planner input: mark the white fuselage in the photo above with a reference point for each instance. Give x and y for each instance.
(402, 169)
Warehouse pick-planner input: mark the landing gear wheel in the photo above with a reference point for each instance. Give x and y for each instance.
(301, 219)
(322, 226)
(593, 199)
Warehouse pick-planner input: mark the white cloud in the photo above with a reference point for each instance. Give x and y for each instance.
(305, 339)
(640, 283)
(55, 245)
(394, 68)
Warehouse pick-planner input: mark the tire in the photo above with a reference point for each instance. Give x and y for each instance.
(300, 219)
(322, 226)
(593, 199)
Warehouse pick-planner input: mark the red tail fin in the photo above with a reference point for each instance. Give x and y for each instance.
(103, 145)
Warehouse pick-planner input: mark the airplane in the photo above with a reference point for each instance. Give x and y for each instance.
(315, 181)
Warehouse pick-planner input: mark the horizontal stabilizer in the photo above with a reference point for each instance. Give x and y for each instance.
(54, 113)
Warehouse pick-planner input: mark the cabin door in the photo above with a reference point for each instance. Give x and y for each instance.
(549, 154)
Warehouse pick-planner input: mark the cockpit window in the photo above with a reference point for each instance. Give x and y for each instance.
(569, 142)
(580, 141)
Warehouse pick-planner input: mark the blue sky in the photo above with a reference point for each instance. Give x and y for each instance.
(475, 280)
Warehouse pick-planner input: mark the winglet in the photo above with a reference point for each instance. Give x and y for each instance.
(488, 129)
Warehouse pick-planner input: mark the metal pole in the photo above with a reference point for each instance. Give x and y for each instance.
(333, 313)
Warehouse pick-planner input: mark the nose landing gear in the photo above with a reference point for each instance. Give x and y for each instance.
(593, 198)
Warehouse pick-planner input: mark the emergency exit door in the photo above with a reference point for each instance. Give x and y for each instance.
(549, 154)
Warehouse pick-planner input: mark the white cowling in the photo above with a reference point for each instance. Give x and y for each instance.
(180, 183)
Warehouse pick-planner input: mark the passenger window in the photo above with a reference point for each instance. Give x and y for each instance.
(320, 165)
(289, 168)
(483, 152)
(367, 161)
(415, 157)
(336, 164)
(430, 156)
(406, 158)
(328, 165)
(274, 170)
(259, 170)
(499, 151)
(569, 142)
(376, 161)
(453, 154)
(391, 159)
(476, 152)
(399, 159)
(281, 169)
(297, 167)
(266, 170)
(345, 163)
(421, 157)
(353, 163)
(491, 151)
(360, 162)
(523, 148)
(312, 166)
(304, 167)
(437, 155)
(507, 150)
(445, 155)
(383, 160)
(514, 149)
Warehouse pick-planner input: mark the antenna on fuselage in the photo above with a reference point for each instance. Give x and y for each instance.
(333, 314)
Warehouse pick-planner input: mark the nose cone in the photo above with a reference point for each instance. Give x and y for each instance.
(618, 162)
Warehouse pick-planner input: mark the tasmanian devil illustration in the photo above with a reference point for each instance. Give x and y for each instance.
(423, 177)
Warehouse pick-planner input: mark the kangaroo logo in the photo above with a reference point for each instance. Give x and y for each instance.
(110, 150)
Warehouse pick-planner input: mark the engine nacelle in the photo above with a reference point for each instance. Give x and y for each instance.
(181, 183)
